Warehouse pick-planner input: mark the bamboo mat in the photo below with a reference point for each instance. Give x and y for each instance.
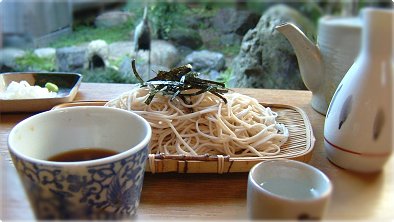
(299, 146)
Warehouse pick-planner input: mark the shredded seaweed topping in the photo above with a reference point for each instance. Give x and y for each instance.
(181, 82)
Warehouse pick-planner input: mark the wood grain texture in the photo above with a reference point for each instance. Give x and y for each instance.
(213, 196)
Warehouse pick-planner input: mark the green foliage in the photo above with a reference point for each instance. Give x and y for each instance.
(205, 9)
(84, 33)
(30, 61)
(136, 7)
(225, 76)
(311, 10)
(208, 5)
(164, 16)
(167, 16)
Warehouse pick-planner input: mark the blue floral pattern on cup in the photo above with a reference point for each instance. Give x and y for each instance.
(111, 190)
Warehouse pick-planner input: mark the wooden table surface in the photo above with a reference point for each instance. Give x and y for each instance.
(214, 196)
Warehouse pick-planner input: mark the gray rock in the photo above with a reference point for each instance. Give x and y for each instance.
(119, 50)
(163, 53)
(125, 69)
(71, 59)
(184, 51)
(142, 68)
(266, 59)
(213, 75)
(204, 61)
(45, 52)
(8, 57)
(111, 19)
(230, 20)
(186, 37)
(230, 39)
(21, 40)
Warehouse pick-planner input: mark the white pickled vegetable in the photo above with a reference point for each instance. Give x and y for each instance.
(23, 90)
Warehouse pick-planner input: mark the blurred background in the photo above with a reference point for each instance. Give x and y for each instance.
(99, 38)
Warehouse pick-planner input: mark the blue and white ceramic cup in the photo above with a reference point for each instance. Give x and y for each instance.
(106, 188)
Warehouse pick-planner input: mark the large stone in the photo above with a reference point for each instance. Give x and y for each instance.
(230, 20)
(186, 37)
(184, 51)
(71, 59)
(111, 19)
(163, 53)
(143, 69)
(8, 57)
(120, 49)
(266, 59)
(205, 61)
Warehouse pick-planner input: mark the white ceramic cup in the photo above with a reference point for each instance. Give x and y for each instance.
(287, 189)
(106, 188)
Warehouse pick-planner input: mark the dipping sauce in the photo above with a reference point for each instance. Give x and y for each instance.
(83, 154)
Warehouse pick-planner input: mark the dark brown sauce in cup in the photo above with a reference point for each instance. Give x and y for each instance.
(84, 154)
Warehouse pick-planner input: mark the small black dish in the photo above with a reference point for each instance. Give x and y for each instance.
(68, 84)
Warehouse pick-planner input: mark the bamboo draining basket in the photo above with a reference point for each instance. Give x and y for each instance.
(299, 146)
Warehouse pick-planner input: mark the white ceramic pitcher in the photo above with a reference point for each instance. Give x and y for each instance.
(323, 66)
(358, 128)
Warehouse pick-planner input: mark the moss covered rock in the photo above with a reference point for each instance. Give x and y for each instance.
(266, 59)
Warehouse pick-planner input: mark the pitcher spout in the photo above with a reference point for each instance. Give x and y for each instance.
(308, 56)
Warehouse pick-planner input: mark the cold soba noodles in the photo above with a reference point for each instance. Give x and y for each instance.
(240, 128)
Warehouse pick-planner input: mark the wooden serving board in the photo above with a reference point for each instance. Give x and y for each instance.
(299, 146)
